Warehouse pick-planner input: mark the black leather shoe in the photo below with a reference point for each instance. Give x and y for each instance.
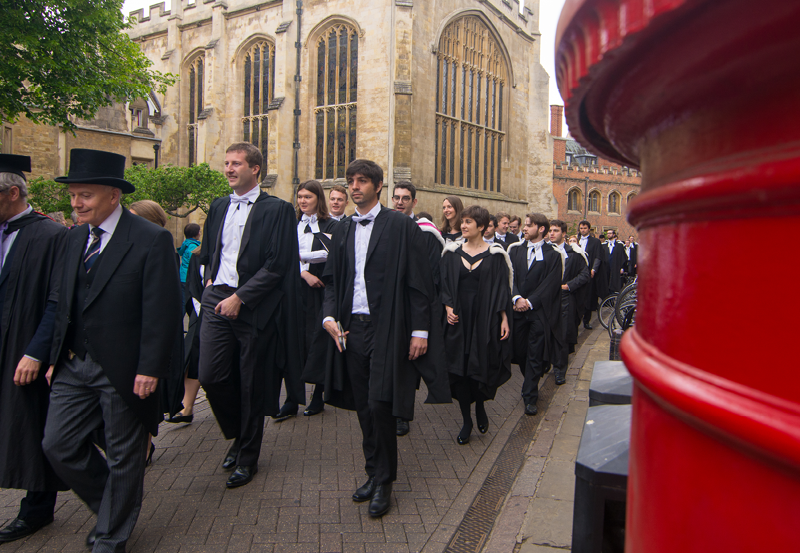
(463, 436)
(241, 476)
(365, 492)
(287, 411)
(18, 529)
(560, 380)
(481, 418)
(230, 458)
(531, 410)
(402, 427)
(587, 326)
(314, 409)
(381, 500)
(180, 417)
(91, 537)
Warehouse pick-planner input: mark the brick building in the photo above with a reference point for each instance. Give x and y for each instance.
(588, 187)
(449, 95)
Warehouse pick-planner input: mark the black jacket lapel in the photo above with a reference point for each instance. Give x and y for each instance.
(113, 254)
(377, 229)
(249, 223)
(220, 224)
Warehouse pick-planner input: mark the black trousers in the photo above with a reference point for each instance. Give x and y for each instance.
(378, 425)
(529, 336)
(232, 372)
(560, 366)
(37, 506)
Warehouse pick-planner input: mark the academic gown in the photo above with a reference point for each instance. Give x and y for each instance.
(489, 361)
(633, 260)
(577, 277)
(312, 302)
(599, 286)
(546, 297)
(617, 260)
(29, 285)
(393, 376)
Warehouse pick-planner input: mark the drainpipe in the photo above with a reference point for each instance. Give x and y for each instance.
(297, 80)
(586, 199)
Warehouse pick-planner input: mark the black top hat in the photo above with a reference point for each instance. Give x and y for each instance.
(96, 167)
(9, 163)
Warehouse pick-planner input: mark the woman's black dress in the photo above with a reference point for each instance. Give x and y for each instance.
(478, 361)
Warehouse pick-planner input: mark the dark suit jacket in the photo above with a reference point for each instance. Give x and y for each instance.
(511, 238)
(132, 314)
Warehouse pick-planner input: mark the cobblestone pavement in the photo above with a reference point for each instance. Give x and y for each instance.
(300, 498)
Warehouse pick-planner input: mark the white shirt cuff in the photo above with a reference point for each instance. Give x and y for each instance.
(326, 319)
(420, 334)
(32, 358)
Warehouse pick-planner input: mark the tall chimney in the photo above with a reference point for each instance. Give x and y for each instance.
(556, 114)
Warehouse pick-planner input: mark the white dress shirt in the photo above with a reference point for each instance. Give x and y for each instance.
(584, 240)
(305, 241)
(611, 246)
(362, 235)
(500, 236)
(534, 252)
(7, 240)
(488, 240)
(108, 226)
(232, 230)
(337, 217)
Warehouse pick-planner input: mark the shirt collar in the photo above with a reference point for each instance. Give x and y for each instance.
(500, 236)
(27, 210)
(308, 218)
(538, 245)
(374, 211)
(110, 224)
(252, 195)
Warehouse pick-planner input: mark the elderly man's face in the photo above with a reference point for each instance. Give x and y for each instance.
(93, 203)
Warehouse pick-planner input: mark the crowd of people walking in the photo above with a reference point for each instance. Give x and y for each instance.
(95, 350)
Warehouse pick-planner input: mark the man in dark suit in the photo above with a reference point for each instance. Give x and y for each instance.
(617, 261)
(117, 321)
(599, 285)
(31, 254)
(380, 290)
(538, 269)
(252, 334)
(502, 234)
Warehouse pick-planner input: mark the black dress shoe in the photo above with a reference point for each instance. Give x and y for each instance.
(241, 476)
(463, 436)
(18, 529)
(314, 409)
(287, 411)
(560, 380)
(587, 326)
(180, 417)
(381, 500)
(481, 418)
(230, 458)
(402, 427)
(91, 537)
(365, 492)
(531, 410)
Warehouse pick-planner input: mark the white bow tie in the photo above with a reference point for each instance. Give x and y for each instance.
(309, 219)
(240, 199)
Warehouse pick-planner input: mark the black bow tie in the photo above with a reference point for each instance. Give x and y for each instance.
(308, 229)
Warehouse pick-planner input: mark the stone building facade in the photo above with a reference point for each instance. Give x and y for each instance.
(119, 128)
(588, 187)
(447, 94)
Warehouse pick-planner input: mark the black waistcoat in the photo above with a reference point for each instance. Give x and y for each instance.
(77, 338)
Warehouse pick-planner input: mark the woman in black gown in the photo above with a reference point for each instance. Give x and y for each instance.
(476, 292)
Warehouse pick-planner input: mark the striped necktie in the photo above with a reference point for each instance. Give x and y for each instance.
(94, 249)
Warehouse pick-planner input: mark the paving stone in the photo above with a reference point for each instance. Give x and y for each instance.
(548, 522)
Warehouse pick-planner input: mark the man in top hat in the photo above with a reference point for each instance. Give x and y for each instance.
(117, 321)
(31, 247)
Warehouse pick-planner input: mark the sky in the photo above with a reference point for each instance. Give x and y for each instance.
(548, 20)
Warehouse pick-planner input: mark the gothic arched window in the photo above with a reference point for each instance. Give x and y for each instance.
(574, 201)
(471, 78)
(259, 89)
(594, 201)
(195, 104)
(337, 94)
(614, 201)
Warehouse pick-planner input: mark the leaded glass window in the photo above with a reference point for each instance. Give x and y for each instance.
(259, 91)
(337, 96)
(594, 201)
(574, 202)
(471, 78)
(614, 202)
(195, 104)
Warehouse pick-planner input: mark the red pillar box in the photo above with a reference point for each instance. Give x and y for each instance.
(704, 97)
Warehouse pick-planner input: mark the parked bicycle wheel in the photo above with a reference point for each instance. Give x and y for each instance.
(606, 310)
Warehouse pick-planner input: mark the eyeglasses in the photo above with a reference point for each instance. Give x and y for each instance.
(401, 198)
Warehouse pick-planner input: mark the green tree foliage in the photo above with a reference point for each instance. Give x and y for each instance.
(178, 190)
(63, 59)
(174, 188)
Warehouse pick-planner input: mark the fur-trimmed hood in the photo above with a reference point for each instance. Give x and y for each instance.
(427, 226)
(495, 249)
